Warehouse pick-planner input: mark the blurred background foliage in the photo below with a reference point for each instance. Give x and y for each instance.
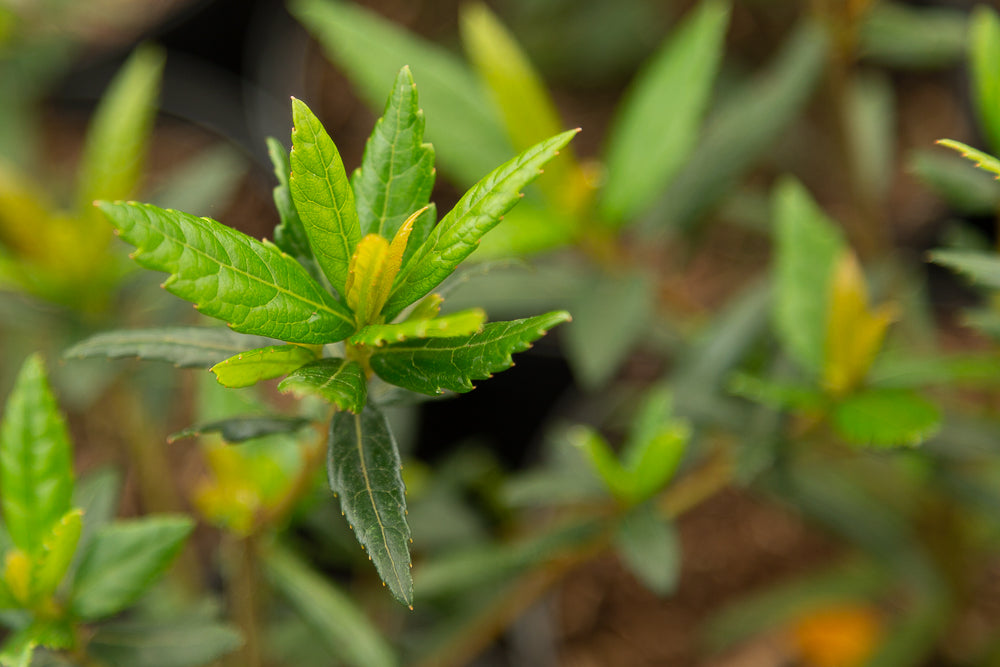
(769, 436)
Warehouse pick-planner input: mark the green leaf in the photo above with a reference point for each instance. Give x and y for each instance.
(808, 247)
(650, 547)
(464, 128)
(186, 347)
(252, 286)
(248, 368)
(97, 495)
(36, 472)
(747, 125)
(432, 365)
(338, 621)
(886, 418)
(870, 115)
(657, 459)
(984, 65)
(397, 171)
(970, 191)
(338, 381)
(982, 268)
(182, 642)
(322, 195)
(925, 370)
(603, 461)
(476, 213)
(776, 394)
(983, 160)
(241, 429)
(289, 235)
(118, 136)
(900, 35)
(58, 549)
(123, 561)
(462, 323)
(656, 126)
(364, 471)
(18, 650)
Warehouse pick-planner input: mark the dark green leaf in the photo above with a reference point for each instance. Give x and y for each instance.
(364, 471)
(289, 235)
(981, 267)
(251, 285)
(906, 36)
(984, 63)
(36, 472)
(397, 171)
(123, 561)
(477, 212)
(647, 145)
(338, 381)
(322, 195)
(432, 365)
(186, 347)
(163, 643)
(886, 418)
(248, 368)
(338, 622)
(461, 123)
(241, 429)
(650, 547)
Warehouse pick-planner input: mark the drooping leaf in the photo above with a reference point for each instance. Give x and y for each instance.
(241, 429)
(969, 191)
(338, 381)
(467, 134)
(248, 368)
(984, 63)
(432, 365)
(181, 642)
(36, 472)
(649, 546)
(911, 37)
(364, 471)
(123, 561)
(982, 160)
(228, 275)
(462, 323)
(656, 127)
(338, 621)
(478, 211)
(119, 133)
(808, 247)
(58, 549)
(886, 418)
(322, 195)
(397, 171)
(289, 235)
(982, 268)
(185, 347)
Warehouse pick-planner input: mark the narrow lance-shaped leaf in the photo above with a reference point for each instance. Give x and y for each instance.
(364, 471)
(432, 365)
(397, 171)
(289, 235)
(241, 429)
(981, 267)
(984, 62)
(476, 213)
(35, 460)
(650, 547)
(982, 160)
(322, 195)
(186, 347)
(248, 368)
(462, 323)
(338, 381)
(249, 284)
(58, 549)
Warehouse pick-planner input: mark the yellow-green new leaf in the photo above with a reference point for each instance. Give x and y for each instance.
(982, 160)
(462, 323)
(58, 549)
(886, 418)
(338, 381)
(248, 368)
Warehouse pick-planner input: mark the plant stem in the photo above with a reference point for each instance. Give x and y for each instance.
(244, 600)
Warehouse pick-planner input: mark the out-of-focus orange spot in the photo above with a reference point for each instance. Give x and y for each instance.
(842, 636)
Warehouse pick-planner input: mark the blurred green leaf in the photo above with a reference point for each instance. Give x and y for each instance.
(982, 268)
(289, 234)
(464, 128)
(97, 495)
(886, 418)
(241, 429)
(337, 381)
(871, 121)
(649, 546)
(204, 183)
(58, 549)
(184, 643)
(36, 472)
(248, 368)
(982, 160)
(970, 191)
(775, 394)
(984, 63)
(17, 650)
(185, 347)
(906, 36)
(338, 622)
(364, 471)
(528, 229)
(925, 370)
(602, 459)
(123, 561)
(656, 127)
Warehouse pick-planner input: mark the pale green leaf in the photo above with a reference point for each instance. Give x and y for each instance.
(870, 117)
(656, 127)
(289, 235)
(476, 213)
(338, 381)
(97, 495)
(123, 561)
(906, 36)
(602, 460)
(251, 285)
(432, 365)
(18, 649)
(776, 394)
(984, 63)
(656, 460)
(119, 133)
(186, 347)
(462, 323)
(322, 195)
(397, 171)
(338, 621)
(808, 247)
(649, 546)
(36, 472)
(906, 370)
(248, 368)
(241, 429)
(181, 642)
(364, 471)
(982, 268)
(886, 418)
(464, 128)
(982, 160)
(58, 549)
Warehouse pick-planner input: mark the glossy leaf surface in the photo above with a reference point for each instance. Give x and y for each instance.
(338, 381)
(248, 368)
(186, 347)
(463, 323)
(289, 235)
